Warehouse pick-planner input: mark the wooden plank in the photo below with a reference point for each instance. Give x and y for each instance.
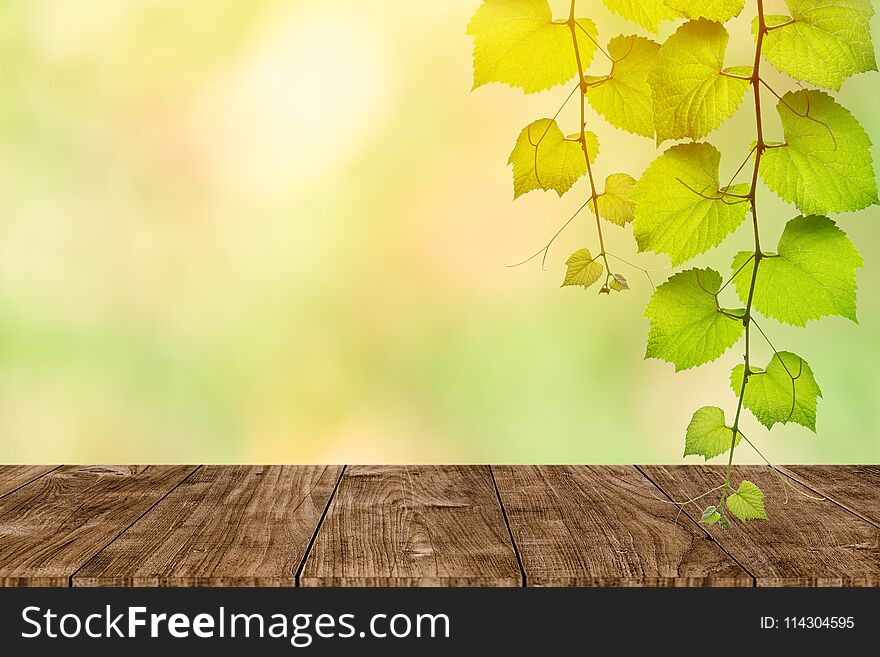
(854, 487)
(413, 526)
(805, 543)
(52, 526)
(13, 477)
(606, 526)
(224, 526)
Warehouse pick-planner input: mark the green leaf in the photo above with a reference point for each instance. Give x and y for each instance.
(691, 94)
(708, 435)
(784, 392)
(516, 42)
(582, 269)
(647, 13)
(687, 327)
(825, 164)
(615, 204)
(710, 515)
(715, 10)
(812, 275)
(680, 208)
(618, 283)
(544, 158)
(747, 503)
(823, 41)
(623, 97)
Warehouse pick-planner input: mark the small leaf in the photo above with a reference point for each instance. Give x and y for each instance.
(812, 275)
(687, 328)
(618, 283)
(623, 97)
(715, 10)
(825, 164)
(823, 41)
(784, 392)
(615, 204)
(516, 42)
(708, 435)
(681, 210)
(544, 158)
(691, 94)
(710, 515)
(747, 503)
(582, 269)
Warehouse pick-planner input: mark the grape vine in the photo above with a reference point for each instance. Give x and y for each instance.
(680, 90)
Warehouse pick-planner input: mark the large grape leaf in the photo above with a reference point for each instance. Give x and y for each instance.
(517, 42)
(544, 158)
(692, 92)
(823, 41)
(825, 162)
(647, 13)
(687, 326)
(615, 204)
(747, 503)
(623, 96)
(708, 435)
(784, 392)
(813, 273)
(680, 208)
(582, 269)
(714, 10)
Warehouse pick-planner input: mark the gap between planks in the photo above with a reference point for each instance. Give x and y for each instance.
(849, 521)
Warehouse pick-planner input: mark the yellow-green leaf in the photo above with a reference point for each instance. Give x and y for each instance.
(615, 203)
(681, 209)
(692, 94)
(687, 326)
(812, 274)
(517, 42)
(786, 391)
(708, 434)
(582, 269)
(825, 163)
(618, 283)
(714, 10)
(647, 13)
(823, 41)
(747, 503)
(623, 96)
(544, 158)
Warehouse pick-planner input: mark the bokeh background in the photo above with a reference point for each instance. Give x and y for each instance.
(278, 230)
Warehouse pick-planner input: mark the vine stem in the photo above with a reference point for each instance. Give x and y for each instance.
(582, 138)
(760, 147)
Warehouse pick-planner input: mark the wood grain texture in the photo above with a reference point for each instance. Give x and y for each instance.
(223, 526)
(13, 477)
(605, 526)
(854, 487)
(413, 526)
(805, 543)
(55, 524)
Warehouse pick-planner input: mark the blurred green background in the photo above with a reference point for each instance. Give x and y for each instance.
(270, 230)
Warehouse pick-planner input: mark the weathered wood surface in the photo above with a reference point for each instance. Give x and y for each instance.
(55, 524)
(854, 487)
(807, 543)
(429, 526)
(223, 526)
(13, 477)
(606, 526)
(413, 525)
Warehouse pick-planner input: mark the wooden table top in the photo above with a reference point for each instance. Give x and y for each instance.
(429, 526)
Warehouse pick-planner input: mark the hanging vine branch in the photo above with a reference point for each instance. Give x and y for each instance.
(682, 90)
